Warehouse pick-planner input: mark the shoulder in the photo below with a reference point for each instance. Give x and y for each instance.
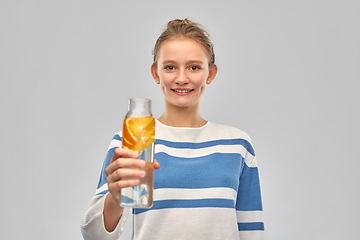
(231, 136)
(228, 132)
(116, 141)
(117, 136)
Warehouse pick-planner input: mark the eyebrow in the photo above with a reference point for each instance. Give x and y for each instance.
(196, 62)
(167, 62)
(188, 62)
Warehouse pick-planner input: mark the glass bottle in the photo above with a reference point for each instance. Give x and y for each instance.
(138, 134)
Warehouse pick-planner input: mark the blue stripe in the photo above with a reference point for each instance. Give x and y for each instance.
(180, 145)
(197, 203)
(106, 163)
(214, 170)
(190, 145)
(103, 192)
(253, 226)
(249, 194)
(117, 137)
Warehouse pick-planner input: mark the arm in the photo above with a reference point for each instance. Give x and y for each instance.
(122, 172)
(249, 203)
(105, 218)
(93, 224)
(112, 213)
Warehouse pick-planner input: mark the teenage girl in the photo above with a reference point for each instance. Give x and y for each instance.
(208, 184)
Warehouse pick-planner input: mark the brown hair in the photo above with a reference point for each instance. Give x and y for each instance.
(185, 29)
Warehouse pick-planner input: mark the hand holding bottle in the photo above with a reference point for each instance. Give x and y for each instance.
(125, 171)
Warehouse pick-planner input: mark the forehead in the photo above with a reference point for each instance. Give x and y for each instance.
(182, 48)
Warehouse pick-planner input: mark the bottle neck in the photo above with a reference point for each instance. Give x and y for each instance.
(139, 107)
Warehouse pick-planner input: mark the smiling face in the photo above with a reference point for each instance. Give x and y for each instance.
(183, 71)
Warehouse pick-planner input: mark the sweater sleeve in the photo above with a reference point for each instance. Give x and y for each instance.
(92, 225)
(249, 203)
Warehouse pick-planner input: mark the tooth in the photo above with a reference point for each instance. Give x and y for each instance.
(182, 91)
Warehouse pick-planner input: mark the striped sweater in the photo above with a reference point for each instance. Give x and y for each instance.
(207, 188)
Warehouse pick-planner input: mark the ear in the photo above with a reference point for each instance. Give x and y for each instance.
(212, 74)
(154, 74)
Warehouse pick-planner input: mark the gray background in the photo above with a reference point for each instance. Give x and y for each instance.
(288, 76)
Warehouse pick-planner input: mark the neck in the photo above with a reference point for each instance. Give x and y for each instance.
(182, 117)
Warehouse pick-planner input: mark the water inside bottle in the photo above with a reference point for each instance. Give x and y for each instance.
(139, 136)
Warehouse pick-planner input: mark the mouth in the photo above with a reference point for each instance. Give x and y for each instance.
(182, 90)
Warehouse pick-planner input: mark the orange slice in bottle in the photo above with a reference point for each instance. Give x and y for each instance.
(138, 133)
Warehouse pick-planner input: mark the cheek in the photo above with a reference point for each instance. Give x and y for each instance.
(163, 88)
(164, 79)
(202, 88)
(164, 85)
(201, 81)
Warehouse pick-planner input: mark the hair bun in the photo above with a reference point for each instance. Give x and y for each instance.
(179, 21)
(179, 28)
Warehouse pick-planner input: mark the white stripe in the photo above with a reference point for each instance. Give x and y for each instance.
(253, 235)
(192, 153)
(115, 143)
(186, 152)
(176, 193)
(194, 223)
(201, 152)
(102, 188)
(250, 160)
(209, 132)
(249, 216)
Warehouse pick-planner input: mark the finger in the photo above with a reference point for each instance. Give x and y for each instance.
(124, 163)
(125, 174)
(156, 165)
(123, 152)
(115, 187)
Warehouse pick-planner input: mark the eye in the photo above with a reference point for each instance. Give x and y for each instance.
(194, 68)
(170, 68)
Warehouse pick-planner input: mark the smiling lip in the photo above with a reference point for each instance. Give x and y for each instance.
(182, 91)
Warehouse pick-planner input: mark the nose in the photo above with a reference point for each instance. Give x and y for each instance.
(182, 77)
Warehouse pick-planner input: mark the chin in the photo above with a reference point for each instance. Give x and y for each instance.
(185, 104)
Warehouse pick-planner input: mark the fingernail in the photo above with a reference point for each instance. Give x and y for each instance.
(142, 173)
